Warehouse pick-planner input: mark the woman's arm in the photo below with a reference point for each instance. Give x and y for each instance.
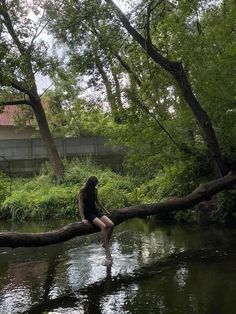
(98, 202)
(81, 208)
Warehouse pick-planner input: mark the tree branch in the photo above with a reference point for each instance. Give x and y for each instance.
(39, 31)
(177, 71)
(15, 102)
(203, 192)
(8, 23)
(168, 65)
(181, 146)
(18, 86)
(128, 68)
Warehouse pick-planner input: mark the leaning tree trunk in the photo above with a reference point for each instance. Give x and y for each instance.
(46, 135)
(203, 192)
(28, 85)
(177, 71)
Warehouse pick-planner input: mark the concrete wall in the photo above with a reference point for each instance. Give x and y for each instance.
(26, 156)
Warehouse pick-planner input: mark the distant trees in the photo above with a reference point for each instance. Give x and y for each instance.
(169, 56)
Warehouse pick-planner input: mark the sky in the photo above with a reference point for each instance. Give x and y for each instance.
(44, 82)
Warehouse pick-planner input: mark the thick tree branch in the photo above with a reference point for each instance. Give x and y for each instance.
(182, 146)
(203, 192)
(149, 10)
(8, 23)
(177, 71)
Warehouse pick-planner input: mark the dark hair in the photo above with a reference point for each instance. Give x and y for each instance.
(91, 182)
(88, 190)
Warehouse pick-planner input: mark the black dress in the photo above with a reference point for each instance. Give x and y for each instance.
(90, 210)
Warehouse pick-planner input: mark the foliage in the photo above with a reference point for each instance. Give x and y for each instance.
(4, 186)
(146, 111)
(23, 51)
(107, 85)
(226, 210)
(175, 180)
(41, 197)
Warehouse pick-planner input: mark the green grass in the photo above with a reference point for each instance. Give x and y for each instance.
(40, 197)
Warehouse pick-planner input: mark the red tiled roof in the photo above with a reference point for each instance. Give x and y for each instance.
(7, 116)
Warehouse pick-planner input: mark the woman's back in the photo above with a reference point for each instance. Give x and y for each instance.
(89, 199)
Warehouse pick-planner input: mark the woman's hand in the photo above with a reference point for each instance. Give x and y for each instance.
(85, 221)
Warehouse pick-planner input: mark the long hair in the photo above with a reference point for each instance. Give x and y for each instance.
(88, 190)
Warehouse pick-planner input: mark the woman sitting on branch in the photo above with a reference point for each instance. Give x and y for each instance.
(89, 212)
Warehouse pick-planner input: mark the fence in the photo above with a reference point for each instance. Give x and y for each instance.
(27, 155)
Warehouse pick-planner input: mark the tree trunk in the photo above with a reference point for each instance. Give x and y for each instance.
(177, 71)
(58, 168)
(203, 192)
(111, 96)
(28, 86)
(203, 120)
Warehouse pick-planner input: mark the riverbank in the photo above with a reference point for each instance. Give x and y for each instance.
(41, 198)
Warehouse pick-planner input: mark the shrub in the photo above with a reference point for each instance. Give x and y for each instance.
(176, 180)
(226, 207)
(4, 186)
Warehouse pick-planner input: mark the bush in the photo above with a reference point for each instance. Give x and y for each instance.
(4, 186)
(174, 181)
(226, 207)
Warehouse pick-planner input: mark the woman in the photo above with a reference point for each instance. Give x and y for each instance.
(88, 203)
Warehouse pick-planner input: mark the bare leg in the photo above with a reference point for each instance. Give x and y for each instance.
(104, 233)
(109, 224)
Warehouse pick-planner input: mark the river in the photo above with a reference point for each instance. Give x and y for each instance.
(156, 269)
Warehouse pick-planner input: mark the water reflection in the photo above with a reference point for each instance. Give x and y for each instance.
(181, 276)
(155, 270)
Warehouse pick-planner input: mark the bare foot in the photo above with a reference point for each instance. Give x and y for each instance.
(109, 258)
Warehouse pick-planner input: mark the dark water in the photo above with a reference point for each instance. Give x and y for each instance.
(156, 269)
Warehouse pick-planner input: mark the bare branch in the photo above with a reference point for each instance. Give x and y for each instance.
(46, 90)
(39, 31)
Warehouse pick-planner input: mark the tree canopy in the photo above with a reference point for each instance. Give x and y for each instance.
(156, 78)
(167, 77)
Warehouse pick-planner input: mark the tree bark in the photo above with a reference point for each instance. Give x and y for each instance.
(177, 71)
(203, 192)
(53, 155)
(111, 95)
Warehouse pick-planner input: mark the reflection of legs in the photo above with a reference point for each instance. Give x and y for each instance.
(109, 224)
(104, 233)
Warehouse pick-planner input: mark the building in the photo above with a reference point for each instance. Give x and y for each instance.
(8, 130)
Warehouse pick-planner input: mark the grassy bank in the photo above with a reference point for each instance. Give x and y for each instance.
(40, 197)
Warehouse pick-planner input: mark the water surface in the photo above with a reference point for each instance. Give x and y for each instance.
(156, 269)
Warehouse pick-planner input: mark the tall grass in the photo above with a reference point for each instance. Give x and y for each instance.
(40, 197)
